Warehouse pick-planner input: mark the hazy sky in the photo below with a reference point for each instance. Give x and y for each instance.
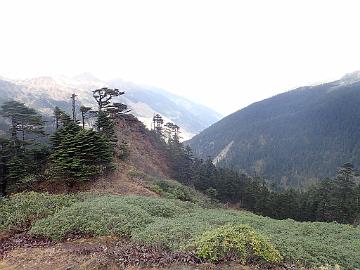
(224, 54)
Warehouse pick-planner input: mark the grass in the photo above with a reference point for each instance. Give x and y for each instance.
(177, 225)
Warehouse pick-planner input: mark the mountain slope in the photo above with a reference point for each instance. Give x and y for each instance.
(44, 93)
(292, 138)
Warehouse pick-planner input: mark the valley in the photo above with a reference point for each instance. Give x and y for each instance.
(293, 139)
(123, 196)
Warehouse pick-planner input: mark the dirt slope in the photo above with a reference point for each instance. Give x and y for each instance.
(146, 160)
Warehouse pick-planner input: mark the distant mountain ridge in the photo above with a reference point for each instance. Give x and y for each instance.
(293, 138)
(44, 93)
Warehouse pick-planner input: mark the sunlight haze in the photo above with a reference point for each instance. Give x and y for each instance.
(223, 54)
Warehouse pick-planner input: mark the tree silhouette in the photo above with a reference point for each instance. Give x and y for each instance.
(23, 119)
(73, 103)
(104, 95)
(158, 123)
(84, 111)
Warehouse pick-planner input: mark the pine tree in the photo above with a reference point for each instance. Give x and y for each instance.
(18, 157)
(344, 194)
(81, 157)
(103, 97)
(73, 103)
(23, 119)
(57, 116)
(84, 111)
(4, 156)
(105, 125)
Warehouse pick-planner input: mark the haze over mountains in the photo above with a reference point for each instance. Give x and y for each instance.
(294, 138)
(44, 93)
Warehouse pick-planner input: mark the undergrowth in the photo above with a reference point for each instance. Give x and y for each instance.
(174, 190)
(177, 225)
(22, 209)
(238, 242)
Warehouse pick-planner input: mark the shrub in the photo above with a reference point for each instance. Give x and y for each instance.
(104, 215)
(173, 234)
(22, 209)
(240, 241)
(302, 243)
(174, 190)
(181, 231)
(158, 207)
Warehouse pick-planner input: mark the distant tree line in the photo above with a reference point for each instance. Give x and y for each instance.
(336, 199)
(75, 153)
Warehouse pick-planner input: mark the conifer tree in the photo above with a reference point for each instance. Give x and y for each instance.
(158, 123)
(18, 155)
(103, 97)
(23, 119)
(107, 111)
(73, 103)
(57, 116)
(84, 111)
(4, 156)
(80, 154)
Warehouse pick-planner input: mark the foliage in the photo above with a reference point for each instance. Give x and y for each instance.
(335, 199)
(21, 156)
(177, 225)
(80, 154)
(306, 244)
(23, 119)
(108, 215)
(105, 125)
(240, 241)
(26, 163)
(99, 216)
(84, 112)
(174, 190)
(159, 207)
(23, 209)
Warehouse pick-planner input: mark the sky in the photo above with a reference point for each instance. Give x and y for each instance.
(224, 54)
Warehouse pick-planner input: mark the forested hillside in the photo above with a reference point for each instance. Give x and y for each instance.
(179, 216)
(294, 138)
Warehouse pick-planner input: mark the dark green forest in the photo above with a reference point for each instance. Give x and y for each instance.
(292, 139)
(331, 199)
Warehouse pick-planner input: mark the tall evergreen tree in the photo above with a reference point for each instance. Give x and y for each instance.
(57, 116)
(23, 119)
(84, 111)
(73, 103)
(79, 154)
(19, 157)
(103, 97)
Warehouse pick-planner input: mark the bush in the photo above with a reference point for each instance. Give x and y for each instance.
(174, 190)
(173, 234)
(104, 215)
(240, 241)
(20, 210)
(157, 207)
(176, 225)
(302, 243)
